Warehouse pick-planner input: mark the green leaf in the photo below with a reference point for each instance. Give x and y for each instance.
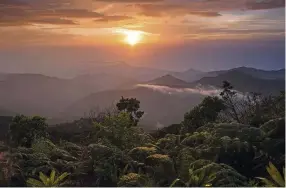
(210, 179)
(174, 182)
(52, 176)
(61, 178)
(275, 174)
(48, 182)
(208, 185)
(43, 178)
(267, 182)
(34, 183)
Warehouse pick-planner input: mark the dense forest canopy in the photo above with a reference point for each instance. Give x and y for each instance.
(227, 140)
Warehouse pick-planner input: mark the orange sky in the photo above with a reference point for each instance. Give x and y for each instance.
(106, 22)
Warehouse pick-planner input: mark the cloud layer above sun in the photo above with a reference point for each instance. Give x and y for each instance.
(93, 22)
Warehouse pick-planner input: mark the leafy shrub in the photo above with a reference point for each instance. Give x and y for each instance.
(24, 130)
(224, 174)
(163, 168)
(43, 145)
(274, 128)
(197, 139)
(141, 153)
(133, 180)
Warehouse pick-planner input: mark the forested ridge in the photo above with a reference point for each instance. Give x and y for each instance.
(231, 140)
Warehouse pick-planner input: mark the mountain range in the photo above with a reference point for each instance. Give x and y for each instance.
(165, 95)
(245, 82)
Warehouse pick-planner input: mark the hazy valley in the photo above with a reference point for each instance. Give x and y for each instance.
(165, 96)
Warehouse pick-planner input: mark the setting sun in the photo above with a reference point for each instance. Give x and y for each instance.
(133, 37)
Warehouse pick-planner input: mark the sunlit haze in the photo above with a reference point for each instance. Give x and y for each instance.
(133, 37)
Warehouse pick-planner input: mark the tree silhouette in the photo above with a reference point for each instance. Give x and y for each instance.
(229, 95)
(130, 106)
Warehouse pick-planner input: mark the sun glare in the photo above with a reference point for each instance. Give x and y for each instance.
(133, 37)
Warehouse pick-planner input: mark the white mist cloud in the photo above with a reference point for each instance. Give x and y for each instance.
(210, 91)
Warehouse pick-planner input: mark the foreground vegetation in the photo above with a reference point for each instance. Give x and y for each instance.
(232, 140)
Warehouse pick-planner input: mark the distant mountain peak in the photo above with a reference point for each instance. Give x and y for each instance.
(169, 76)
(169, 80)
(191, 70)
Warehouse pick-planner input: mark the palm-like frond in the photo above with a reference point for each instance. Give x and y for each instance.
(61, 178)
(46, 181)
(52, 175)
(174, 182)
(275, 175)
(267, 182)
(34, 183)
(277, 179)
(43, 178)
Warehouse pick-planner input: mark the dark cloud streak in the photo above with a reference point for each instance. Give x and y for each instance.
(157, 10)
(129, 1)
(113, 18)
(265, 4)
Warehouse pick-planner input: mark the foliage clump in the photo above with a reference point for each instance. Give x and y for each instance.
(133, 180)
(162, 168)
(141, 153)
(24, 130)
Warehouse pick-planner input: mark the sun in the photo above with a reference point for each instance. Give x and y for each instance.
(133, 37)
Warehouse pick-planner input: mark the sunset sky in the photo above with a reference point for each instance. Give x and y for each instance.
(169, 34)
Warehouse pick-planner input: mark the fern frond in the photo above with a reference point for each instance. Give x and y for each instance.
(61, 178)
(52, 175)
(43, 178)
(35, 183)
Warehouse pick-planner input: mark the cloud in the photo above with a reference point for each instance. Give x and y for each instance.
(229, 31)
(198, 90)
(113, 18)
(31, 37)
(207, 8)
(14, 17)
(129, 1)
(13, 4)
(248, 4)
(55, 21)
(205, 14)
(155, 10)
(211, 91)
(265, 4)
(75, 13)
